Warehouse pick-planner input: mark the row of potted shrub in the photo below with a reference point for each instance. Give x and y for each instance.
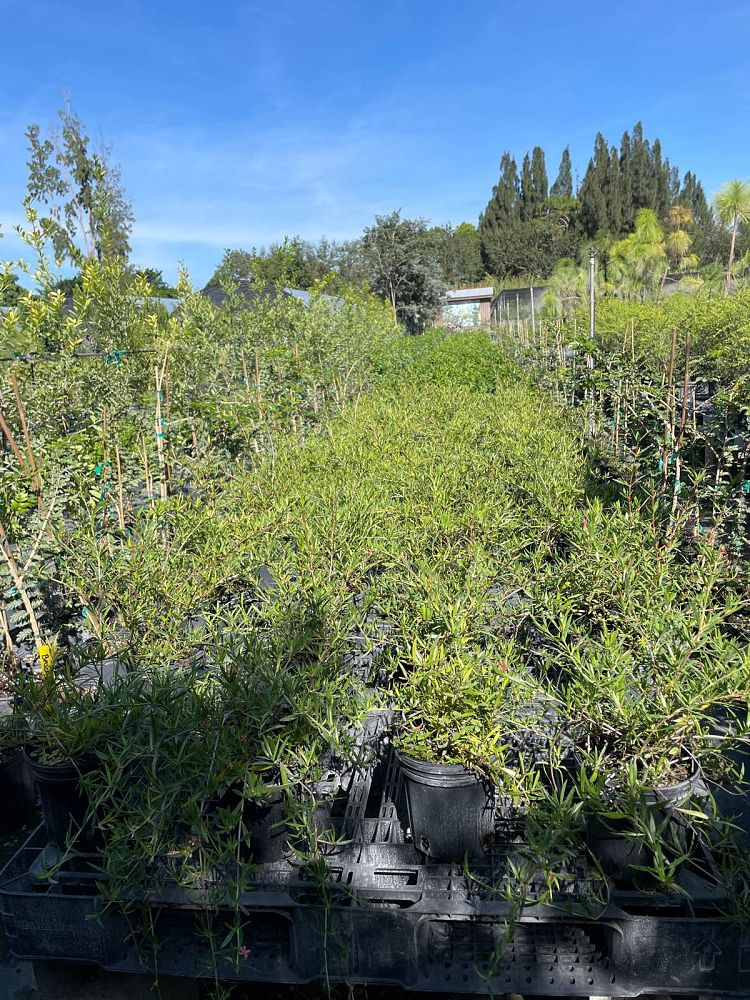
(540, 647)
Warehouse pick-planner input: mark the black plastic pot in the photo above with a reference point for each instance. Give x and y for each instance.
(620, 855)
(64, 804)
(264, 823)
(451, 810)
(16, 792)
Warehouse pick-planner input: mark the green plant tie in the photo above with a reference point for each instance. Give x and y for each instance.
(116, 356)
(746, 486)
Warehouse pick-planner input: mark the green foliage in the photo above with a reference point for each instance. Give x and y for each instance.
(11, 289)
(458, 251)
(525, 230)
(402, 268)
(563, 186)
(88, 214)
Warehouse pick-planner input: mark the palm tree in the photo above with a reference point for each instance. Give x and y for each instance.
(732, 205)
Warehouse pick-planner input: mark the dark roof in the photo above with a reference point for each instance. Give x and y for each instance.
(216, 294)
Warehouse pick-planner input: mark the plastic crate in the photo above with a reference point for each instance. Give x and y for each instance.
(391, 919)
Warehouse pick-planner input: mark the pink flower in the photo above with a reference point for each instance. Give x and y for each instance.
(244, 952)
(585, 522)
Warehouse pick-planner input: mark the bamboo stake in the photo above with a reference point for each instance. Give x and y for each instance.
(257, 384)
(683, 422)
(148, 484)
(12, 442)
(105, 458)
(245, 377)
(120, 498)
(20, 585)
(5, 622)
(160, 424)
(670, 411)
(36, 485)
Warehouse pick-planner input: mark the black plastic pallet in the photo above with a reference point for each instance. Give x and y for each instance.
(384, 917)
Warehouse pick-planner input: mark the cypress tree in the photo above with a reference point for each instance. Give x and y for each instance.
(503, 208)
(527, 190)
(539, 183)
(661, 171)
(626, 183)
(643, 173)
(693, 197)
(613, 193)
(593, 193)
(563, 186)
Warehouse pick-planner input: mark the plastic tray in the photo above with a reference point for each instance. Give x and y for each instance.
(393, 920)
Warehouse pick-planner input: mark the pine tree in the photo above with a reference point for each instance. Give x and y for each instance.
(563, 186)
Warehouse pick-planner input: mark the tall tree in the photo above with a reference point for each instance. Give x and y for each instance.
(503, 208)
(732, 204)
(595, 215)
(403, 268)
(458, 252)
(563, 186)
(88, 214)
(539, 183)
(644, 193)
(626, 182)
(527, 190)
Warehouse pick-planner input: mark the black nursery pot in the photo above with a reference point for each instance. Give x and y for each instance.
(264, 822)
(451, 810)
(16, 792)
(64, 804)
(621, 856)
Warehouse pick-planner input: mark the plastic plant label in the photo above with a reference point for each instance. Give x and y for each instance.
(45, 660)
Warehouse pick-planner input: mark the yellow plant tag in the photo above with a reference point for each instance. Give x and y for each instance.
(45, 659)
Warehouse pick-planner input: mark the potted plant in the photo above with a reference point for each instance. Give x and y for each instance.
(645, 751)
(67, 726)
(452, 745)
(16, 785)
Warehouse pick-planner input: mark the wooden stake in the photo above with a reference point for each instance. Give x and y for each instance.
(12, 442)
(683, 422)
(120, 499)
(147, 473)
(257, 384)
(5, 622)
(245, 377)
(160, 425)
(36, 485)
(20, 585)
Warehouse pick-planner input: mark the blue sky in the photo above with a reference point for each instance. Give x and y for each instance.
(238, 122)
